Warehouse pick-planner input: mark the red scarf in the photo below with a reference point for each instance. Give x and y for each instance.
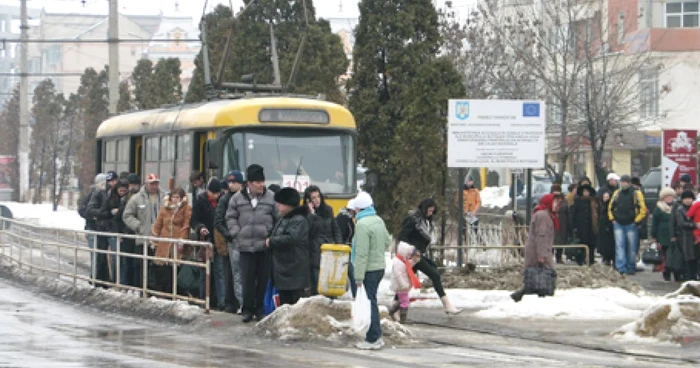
(415, 282)
(547, 203)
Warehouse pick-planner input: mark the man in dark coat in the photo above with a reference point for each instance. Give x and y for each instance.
(346, 223)
(325, 230)
(289, 246)
(202, 223)
(234, 284)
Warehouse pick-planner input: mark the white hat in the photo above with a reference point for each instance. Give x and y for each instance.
(613, 176)
(363, 200)
(351, 204)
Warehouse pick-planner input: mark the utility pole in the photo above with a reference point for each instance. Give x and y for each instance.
(113, 56)
(23, 155)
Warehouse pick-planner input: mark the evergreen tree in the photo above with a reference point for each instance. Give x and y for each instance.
(124, 103)
(142, 77)
(93, 109)
(399, 93)
(9, 139)
(155, 86)
(321, 61)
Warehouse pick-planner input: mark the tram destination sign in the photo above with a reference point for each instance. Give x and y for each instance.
(496, 133)
(293, 116)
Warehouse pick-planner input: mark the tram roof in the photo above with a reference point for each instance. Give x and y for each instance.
(219, 114)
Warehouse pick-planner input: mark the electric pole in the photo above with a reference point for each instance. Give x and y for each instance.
(23, 154)
(113, 56)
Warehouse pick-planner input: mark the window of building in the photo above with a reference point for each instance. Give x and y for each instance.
(649, 93)
(682, 14)
(621, 28)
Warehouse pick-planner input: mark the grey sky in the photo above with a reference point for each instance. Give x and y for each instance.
(324, 8)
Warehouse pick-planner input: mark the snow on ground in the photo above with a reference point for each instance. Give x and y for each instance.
(43, 215)
(579, 304)
(674, 318)
(495, 197)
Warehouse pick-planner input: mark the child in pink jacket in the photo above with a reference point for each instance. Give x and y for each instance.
(403, 279)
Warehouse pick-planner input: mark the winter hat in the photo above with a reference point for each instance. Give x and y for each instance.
(288, 196)
(581, 188)
(255, 172)
(274, 188)
(470, 178)
(111, 175)
(666, 192)
(687, 194)
(235, 176)
(613, 176)
(351, 204)
(152, 178)
(133, 179)
(685, 178)
(625, 178)
(214, 185)
(224, 184)
(636, 181)
(100, 178)
(363, 200)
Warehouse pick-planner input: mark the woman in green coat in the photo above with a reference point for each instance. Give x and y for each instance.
(661, 223)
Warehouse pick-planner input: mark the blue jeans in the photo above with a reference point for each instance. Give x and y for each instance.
(351, 277)
(125, 268)
(626, 243)
(371, 285)
(236, 274)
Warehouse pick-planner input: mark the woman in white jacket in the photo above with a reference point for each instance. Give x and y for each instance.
(403, 279)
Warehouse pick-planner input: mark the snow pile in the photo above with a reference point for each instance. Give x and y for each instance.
(495, 197)
(511, 278)
(674, 318)
(104, 299)
(43, 215)
(321, 319)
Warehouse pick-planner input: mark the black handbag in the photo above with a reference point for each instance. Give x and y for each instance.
(652, 255)
(574, 253)
(675, 261)
(540, 280)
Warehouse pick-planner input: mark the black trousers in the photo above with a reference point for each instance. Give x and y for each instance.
(290, 296)
(429, 269)
(255, 269)
(101, 266)
(163, 278)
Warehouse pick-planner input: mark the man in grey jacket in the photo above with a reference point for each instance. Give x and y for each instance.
(250, 217)
(140, 213)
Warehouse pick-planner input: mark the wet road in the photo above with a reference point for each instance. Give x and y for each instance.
(37, 331)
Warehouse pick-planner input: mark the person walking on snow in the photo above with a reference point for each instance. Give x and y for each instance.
(372, 239)
(417, 230)
(538, 248)
(403, 279)
(626, 210)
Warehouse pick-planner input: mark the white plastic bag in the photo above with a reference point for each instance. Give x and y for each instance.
(361, 312)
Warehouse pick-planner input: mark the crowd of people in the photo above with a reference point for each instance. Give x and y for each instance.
(258, 234)
(612, 221)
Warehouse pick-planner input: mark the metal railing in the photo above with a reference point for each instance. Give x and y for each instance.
(497, 255)
(61, 252)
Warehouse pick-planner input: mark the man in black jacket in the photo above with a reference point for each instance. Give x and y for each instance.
(202, 223)
(102, 223)
(234, 283)
(346, 222)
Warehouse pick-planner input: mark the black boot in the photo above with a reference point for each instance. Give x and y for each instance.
(518, 295)
(667, 276)
(394, 308)
(403, 314)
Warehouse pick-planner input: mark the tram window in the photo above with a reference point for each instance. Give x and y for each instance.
(167, 148)
(110, 148)
(123, 151)
(152, 148)
(184, 147)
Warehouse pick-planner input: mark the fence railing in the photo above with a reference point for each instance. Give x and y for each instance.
(62, 253)
(490, 255)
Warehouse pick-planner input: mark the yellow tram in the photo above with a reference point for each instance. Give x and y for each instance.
(299, 142)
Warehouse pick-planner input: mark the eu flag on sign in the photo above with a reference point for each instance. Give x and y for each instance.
(531, 109)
